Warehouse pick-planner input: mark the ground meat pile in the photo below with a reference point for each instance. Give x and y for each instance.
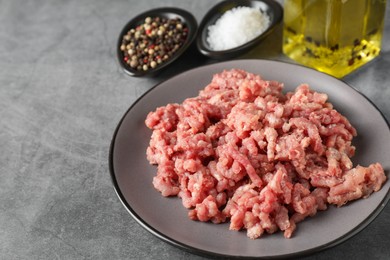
(244, 152)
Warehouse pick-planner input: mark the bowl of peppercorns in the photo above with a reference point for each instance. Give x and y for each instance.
(154, 39)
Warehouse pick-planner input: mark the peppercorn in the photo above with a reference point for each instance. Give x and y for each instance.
(148, 20)
(153, 42)
(133, 63)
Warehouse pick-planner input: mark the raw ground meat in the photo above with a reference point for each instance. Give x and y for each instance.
(243, 152)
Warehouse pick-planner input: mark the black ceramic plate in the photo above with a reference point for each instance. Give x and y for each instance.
(167, 218)
(272, 8)
(170, 13)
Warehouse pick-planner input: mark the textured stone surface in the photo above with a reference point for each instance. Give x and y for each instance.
(62, 94)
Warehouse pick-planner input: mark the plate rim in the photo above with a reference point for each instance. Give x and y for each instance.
(172, 241)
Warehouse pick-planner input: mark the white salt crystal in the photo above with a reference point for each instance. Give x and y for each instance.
(237, 27)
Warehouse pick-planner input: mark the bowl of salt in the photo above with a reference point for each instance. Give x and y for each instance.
(233, 27)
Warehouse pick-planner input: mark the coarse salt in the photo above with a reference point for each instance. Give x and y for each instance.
(237, 27)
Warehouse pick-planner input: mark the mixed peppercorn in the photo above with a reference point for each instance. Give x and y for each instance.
(153, 42)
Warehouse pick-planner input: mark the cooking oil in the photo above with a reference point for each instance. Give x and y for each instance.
(333, 36)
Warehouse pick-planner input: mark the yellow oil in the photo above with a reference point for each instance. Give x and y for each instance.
(333, 36)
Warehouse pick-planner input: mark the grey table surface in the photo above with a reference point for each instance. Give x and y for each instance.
(62, 94)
